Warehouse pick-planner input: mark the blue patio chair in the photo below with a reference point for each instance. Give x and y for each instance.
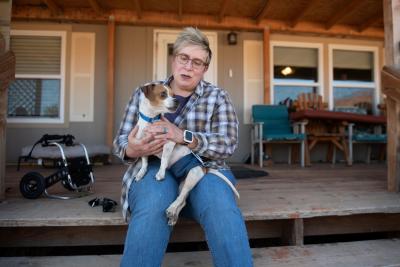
(271, 125)
(365, 137)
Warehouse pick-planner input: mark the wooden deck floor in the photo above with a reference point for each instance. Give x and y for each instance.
(287, 193)
(319, 200)
(383, 253)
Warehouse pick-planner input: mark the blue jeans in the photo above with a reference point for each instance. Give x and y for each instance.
(211, 203)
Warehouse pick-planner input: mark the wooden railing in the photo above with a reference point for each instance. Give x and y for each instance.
(7, 74)
(391, 88)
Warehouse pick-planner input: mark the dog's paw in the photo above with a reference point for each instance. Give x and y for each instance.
(172, 222)
(173, 212)
(172, 216)
(160, 175)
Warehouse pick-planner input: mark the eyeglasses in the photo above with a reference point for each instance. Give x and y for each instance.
(197, 64)
(108, 204)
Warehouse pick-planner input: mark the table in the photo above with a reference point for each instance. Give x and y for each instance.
(338, 116)
(329, 126)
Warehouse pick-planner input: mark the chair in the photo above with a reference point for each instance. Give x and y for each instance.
(365, 137)
(309, 101)
(271, 125)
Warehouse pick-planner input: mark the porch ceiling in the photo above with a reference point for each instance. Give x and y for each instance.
(355, 18)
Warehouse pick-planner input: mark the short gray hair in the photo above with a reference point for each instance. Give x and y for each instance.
(192, 36)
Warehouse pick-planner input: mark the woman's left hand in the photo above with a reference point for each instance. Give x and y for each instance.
(166, 130)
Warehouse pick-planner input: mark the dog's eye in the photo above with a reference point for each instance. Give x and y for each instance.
(164, 94)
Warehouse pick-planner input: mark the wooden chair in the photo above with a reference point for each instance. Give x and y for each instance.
(310, 101)
(271, 125)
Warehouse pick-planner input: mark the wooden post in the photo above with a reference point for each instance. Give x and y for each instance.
(391, 17)
(393, 145)
(293, 234)
(110, 81)
(267, 77)
(391, 88)
(391, 12)
(7, 72)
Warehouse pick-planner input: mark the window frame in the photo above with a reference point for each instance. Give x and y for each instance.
(319, 84)
(61, 77)
(374, 85)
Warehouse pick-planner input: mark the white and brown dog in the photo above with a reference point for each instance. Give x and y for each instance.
(156, 100)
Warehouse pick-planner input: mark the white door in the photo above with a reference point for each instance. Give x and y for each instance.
(163, 43)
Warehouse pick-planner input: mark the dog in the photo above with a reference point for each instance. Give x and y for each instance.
(157, 99)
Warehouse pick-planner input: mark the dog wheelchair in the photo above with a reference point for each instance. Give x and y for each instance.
(75, 174)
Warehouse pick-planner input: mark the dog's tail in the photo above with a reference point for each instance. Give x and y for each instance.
(226, 180)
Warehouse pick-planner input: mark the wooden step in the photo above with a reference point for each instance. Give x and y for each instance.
(383, 253)
(290, 204)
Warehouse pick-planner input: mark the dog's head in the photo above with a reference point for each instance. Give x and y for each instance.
(160, 98)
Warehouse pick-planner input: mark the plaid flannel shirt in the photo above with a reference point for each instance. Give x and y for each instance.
(209, 114)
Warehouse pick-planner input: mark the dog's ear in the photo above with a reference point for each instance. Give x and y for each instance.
(147, 88)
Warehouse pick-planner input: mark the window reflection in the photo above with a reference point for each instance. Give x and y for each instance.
(34, 98)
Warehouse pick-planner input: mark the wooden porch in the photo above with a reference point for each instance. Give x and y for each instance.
(291, 206)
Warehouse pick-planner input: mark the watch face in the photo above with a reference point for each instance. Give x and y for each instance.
(188, 137)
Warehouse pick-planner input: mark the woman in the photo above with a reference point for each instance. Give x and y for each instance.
(206, 122)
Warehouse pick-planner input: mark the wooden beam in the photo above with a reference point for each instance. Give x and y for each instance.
(343, 11)
(351, 224)
(221, 14)
(369, 22)
(391, 16)
(263, 11)
(180, 10)
(96, 6)
(293, 233)
(393, 144)
(110, 81)
(202, 21)
(267, 58)
(138, 9)
(7, 73)
(301, 13)
(391, 88)
(54, 8)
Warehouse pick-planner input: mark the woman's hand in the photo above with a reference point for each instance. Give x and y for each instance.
(165, 130)
(146, 146)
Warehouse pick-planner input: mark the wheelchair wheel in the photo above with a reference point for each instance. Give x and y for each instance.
(32, 185)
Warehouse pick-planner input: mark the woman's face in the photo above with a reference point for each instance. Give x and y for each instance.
(188, 67)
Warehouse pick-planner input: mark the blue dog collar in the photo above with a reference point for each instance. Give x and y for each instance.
(148, 119)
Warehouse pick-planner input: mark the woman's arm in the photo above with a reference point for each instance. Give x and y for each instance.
(222, 141)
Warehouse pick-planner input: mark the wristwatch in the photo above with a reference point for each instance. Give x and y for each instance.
(187, 137)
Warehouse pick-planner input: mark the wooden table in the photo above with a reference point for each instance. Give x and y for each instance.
(338, 116)
(329, 126)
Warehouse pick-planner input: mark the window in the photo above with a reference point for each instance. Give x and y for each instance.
(296, 69)
(37, 94)
(354, 78)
